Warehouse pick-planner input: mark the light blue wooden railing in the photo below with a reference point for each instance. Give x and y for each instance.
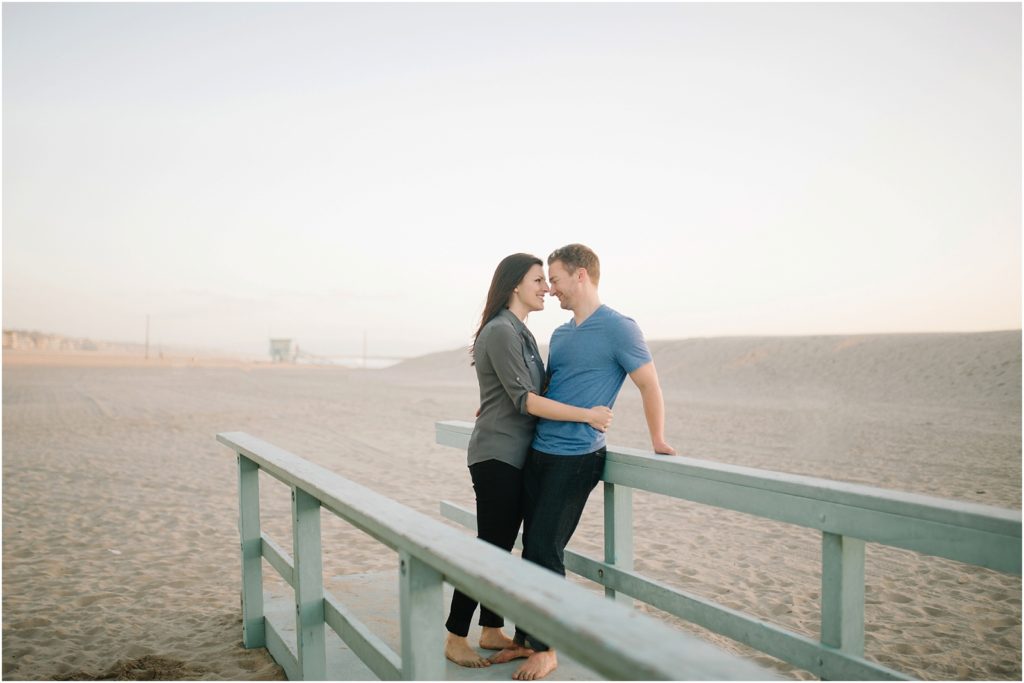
(609, 638)
(848, 515)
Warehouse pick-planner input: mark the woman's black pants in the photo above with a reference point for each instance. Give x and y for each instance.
(499, 512)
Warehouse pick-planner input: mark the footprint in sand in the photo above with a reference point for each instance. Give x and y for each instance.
(905, 648)
(87, 600)
(1000, 622)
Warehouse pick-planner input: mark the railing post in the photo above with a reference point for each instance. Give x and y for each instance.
(253, 624)
(842, 593)
(309, 586)
(422, 617)
(618, 532)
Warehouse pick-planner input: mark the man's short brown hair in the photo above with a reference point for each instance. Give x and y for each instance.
(576, 256)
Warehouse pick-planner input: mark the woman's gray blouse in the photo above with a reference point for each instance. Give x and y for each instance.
(508, 367)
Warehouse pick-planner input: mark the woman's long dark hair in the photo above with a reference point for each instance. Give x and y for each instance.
(507, 276)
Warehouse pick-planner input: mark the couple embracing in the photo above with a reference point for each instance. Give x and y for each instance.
(538, 447)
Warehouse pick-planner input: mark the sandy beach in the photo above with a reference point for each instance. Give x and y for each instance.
(120, 546)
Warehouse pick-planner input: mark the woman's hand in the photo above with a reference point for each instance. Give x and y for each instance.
(600, 418)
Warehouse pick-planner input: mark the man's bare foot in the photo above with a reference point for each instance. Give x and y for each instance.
(457, 649)
(537, 666)
(510, 653)
(492, 638)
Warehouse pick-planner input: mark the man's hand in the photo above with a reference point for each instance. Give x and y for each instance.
(600, 418)
(662, 448)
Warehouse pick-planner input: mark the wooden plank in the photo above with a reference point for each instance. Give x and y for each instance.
(253, 626)
(821, 660)
(618, 533)
(983, 535)
(454, 434)
(370, 649)
(422, 611)
(280, 560)
(565, 615)
(282, 654)
(842, 593)
(994, 520)
(930, 508)
(309, 586)
(971, 544)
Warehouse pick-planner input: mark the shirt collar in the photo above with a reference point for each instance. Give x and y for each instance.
(572, 321)
(516, 322)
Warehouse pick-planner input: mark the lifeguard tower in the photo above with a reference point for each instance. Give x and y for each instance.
(281, 351)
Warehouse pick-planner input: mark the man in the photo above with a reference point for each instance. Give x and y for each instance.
(588, 360)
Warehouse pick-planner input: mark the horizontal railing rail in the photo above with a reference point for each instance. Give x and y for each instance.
(848, 515)
(607, 637)
(977, 534)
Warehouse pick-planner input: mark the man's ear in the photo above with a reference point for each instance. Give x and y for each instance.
(580, 272)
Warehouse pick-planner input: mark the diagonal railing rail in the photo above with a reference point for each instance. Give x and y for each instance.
(609, 638)
(848, 515)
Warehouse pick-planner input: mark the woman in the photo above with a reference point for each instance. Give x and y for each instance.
(511, 376)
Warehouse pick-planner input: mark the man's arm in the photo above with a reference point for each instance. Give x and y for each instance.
(646, 379)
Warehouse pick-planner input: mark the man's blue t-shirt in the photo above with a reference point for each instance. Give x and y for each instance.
(587, 365)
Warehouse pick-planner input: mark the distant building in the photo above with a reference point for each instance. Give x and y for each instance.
(32, 340)
(281, 351)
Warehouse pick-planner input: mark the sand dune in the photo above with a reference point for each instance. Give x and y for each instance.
(120, 544)
(960, 369)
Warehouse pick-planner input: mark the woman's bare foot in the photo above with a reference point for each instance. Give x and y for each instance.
(510, 653)
(492, 638)
(537, 666)
(457, 649)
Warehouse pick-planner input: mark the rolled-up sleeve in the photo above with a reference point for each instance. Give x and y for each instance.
(505, 352)
(631, 349)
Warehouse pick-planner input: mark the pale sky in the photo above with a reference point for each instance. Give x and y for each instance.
(324, 170)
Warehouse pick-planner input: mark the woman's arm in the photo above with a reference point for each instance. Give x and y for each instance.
(598, 417)
(504, 349)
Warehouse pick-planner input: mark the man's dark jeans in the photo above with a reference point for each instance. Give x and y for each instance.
(555, 491)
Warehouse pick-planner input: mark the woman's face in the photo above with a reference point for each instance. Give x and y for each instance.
(532, 289)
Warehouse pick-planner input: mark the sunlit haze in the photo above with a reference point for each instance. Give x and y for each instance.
(328, 171)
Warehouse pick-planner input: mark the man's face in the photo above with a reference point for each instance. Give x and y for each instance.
(564, 284)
